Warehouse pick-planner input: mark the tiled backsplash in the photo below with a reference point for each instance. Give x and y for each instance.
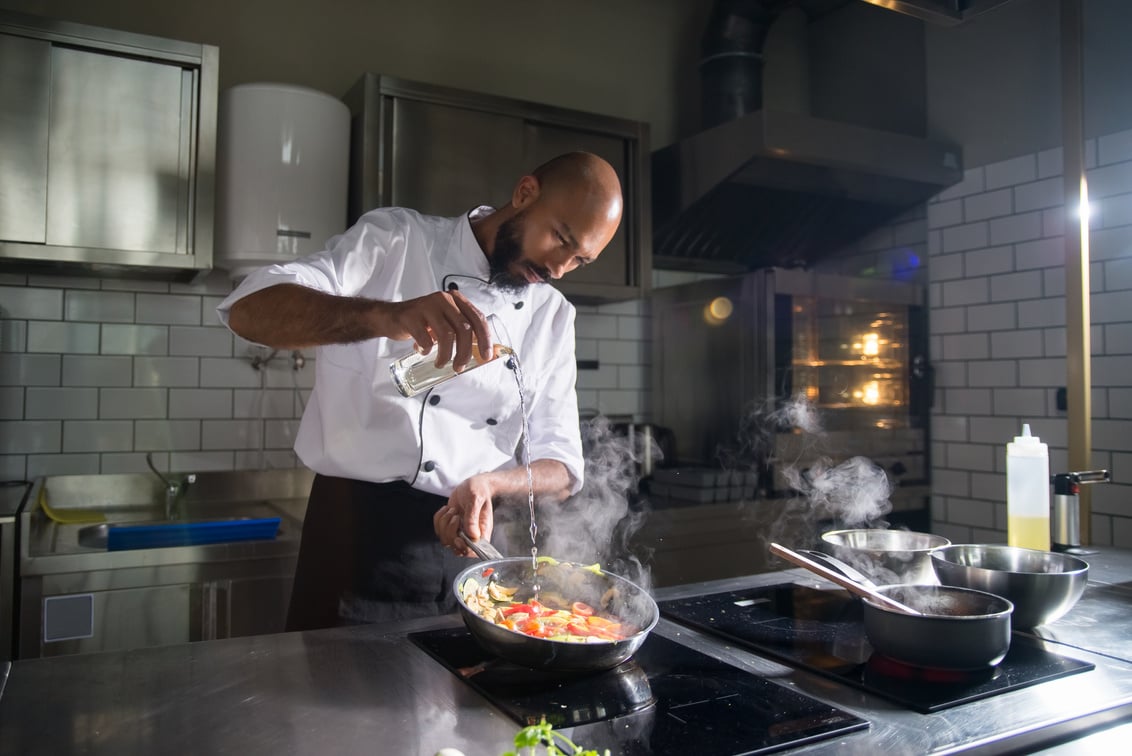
(998, 336)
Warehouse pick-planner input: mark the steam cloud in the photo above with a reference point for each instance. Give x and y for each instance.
(597, 523)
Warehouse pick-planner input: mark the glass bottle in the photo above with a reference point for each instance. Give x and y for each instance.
(416, 372)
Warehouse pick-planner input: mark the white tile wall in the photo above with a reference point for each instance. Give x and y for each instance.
(999, 341)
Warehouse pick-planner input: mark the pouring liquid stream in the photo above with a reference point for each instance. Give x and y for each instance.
(513, 363)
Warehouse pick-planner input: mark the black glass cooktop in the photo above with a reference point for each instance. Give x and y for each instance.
(666, 699)
(823, 631)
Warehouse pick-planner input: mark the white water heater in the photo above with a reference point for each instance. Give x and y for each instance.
(281, 174)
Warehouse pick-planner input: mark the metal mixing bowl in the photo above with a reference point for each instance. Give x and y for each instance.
(1043, 585)
(887, 556)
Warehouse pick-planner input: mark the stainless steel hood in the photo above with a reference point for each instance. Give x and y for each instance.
(785, 189)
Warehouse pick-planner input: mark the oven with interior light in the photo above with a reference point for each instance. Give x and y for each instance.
(777, 370)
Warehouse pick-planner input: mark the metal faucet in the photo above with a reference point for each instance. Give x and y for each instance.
(173, 491)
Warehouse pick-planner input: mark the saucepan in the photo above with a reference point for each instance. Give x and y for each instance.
(886, 556)
(608, 594)
(947, 627)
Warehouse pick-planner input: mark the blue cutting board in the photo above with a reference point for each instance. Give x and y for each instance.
(189, 533)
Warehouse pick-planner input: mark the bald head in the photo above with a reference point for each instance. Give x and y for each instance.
(581, 171)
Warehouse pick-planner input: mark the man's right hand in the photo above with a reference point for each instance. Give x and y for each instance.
(444, 319)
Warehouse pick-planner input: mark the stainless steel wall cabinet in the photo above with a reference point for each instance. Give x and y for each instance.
(109, 143)
(441, 151)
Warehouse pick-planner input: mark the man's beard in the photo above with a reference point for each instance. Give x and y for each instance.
(507, 254)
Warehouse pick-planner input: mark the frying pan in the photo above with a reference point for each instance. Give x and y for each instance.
(609, 593)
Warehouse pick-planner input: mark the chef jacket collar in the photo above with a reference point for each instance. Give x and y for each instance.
(467, 263)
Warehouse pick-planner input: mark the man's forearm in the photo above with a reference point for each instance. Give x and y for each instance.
(289, 316)
(550, 477)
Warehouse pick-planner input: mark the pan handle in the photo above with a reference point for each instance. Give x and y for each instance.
(836, 564)
(484, 550)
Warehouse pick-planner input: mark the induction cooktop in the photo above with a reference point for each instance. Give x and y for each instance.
(666, 699)
(823, 631)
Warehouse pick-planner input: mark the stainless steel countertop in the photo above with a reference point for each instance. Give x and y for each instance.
(367, 689)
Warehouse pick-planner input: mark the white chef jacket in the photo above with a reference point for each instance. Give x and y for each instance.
(357, 425)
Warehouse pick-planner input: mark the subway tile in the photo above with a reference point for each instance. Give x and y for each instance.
(1111, 498)
(954, 533)
(1006, 344)
(950, 374)
(596, 327)
(621, 403)
(972, 182)
(1120, 402)
(988, 261)
(1110, 243)
(632, 378)
(1054, 342)
(1016, 228)
(1112, 370)
(627, 308)
(168, 309)
(231, 434)
(30, 370)
(1114, 148)
(909, 232)
(13, 467)
(995, 430)
(280, 434)
(1016, 286)
(1118, 276)
(969, 401)
(208, 314)
(219, 372)
(1041, 313)
(26, 303)
(966, 291)
(992, 373)
(991, 317)
(259, 403)
(1118, 338)
(935, 295)
(1053, 282)
(11, 403)
(57, 281)
(269, 459)
(199, 341)
(1050, 163)
(131, 462)
(979, 514)
(1114, 211)
(949, 320)
(1112, 435)
(605, 377)
(217, 403)
(1039, 195)
(970, 457)
(42, 465)
(167, 371)
(935, 243)
(30, 436)
(98, 435)
(1023, 402)
(619, 352)
(585, 349)
(13, 334)
(587, 402)
(83, 370)
(946, 267)
(55, 336)
(126, 284)
(99, 306)
(1109, 180)
(947, 213)
(1041, 253)
(966, 346)
(1044, 372)
(167, 435)
(135, 339)
(979, 207)
(988, 486)
(62, 403)
(1053, 222)
(203, 461)
(133, 403)
(951, 482)
(1017, 170)
(634, 328)
(949, 427)
(967, 236)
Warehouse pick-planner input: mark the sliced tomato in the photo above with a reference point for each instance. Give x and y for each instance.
(487, 572)
(534, 628)
(581, 609)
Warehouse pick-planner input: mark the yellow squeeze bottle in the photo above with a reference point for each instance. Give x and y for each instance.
(1027, 492)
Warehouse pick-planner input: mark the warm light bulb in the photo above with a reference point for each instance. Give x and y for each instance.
(870, 344)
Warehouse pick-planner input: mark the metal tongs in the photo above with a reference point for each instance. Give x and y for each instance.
(484, 550)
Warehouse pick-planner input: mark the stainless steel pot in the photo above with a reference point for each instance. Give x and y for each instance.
(612, 593)
(960, 628)
(887, 557)
(1042, 585)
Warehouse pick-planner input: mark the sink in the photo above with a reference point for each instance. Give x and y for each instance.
(122, 536)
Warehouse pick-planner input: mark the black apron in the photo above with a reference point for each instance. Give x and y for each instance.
(369, 554)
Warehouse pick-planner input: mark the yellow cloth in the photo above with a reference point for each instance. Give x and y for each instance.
(68, 516)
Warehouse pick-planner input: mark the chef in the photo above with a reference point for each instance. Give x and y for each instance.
(396, 477)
